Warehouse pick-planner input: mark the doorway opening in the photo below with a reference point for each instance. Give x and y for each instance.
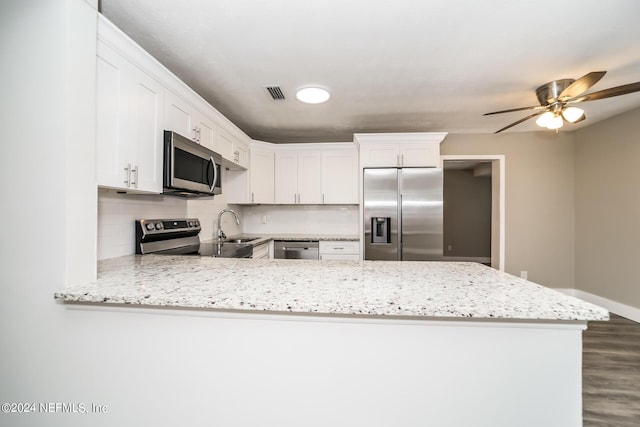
(474, 209)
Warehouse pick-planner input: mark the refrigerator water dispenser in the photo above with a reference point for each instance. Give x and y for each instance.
(381, 230)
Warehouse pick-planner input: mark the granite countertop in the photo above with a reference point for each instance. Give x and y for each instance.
(365, 288)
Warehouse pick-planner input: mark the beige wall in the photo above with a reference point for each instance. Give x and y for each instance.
(539, 211)
(608, 208)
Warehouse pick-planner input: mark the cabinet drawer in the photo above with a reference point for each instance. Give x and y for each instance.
(339, 247)
(339, 257)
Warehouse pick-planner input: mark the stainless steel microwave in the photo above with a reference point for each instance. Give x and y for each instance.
(190, 170)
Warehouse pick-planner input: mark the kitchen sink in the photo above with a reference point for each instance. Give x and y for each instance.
(245, 240)
(226, 250)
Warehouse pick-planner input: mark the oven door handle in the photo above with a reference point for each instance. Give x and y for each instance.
(215, 174)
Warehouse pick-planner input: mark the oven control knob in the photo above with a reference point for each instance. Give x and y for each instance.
(192, 224)
(159, 226)
(196, 223)
(150, 226)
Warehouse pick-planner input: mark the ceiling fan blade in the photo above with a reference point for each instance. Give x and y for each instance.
(581, 85)
(608, 93)
(520, 121)
(537, 107)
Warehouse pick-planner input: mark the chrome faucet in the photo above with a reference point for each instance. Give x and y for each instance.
(221, 234)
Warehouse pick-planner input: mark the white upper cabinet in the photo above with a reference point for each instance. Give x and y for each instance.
(310, 177)
(182, 118)
(400, 149)
(316, 174)
(205, 130)
(286, 177)
(256, 185)
(129, 137)
(232, 149)
(298, 177)
(340, 177)
(178, 116)
(137, 99)
(241, 155)
(262, 170)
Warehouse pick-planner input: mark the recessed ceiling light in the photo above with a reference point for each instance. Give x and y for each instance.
(312, 95)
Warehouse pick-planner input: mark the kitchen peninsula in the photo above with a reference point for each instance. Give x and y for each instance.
(375, 343)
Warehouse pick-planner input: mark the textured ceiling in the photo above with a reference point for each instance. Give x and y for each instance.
(401, 66)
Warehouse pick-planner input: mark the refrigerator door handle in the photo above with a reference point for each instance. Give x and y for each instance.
(400, 222)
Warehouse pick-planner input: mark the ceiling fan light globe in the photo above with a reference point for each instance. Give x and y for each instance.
(572, 114)
(555, 122)
(544, 120)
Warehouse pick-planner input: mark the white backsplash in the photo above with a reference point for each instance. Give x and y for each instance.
(117, 214)
(300, 219)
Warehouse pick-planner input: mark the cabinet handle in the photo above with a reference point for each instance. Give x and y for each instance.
(323, 198)
(252, 197)
(134, 171)
(127, 169)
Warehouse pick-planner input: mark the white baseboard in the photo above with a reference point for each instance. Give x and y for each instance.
(632, 313)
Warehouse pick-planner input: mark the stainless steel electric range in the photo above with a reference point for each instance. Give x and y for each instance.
(181, 237)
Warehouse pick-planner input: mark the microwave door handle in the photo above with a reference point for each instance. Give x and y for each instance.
(215, 174)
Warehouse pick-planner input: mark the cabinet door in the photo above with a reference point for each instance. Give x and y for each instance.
(379, 155)
(205, 132)
(177, 116)
(310, 177)
(113, 154)
(241, 154)
(146, 115)
(128, 125)
(261, 177)
(340, 177)
(286, 178)
(225, 144)
(421, 155)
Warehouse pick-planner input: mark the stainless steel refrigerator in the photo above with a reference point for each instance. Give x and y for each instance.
(403, 214)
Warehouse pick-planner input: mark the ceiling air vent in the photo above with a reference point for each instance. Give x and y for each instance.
(275, 92)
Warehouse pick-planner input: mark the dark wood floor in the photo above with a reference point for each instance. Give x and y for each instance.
(611, 373)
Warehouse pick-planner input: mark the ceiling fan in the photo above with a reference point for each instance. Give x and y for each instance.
(557, 98)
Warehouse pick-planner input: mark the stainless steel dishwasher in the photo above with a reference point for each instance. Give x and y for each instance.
(288, 249)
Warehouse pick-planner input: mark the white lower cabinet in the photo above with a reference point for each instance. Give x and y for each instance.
(129, 136)
(339, 250)
(261, 251)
